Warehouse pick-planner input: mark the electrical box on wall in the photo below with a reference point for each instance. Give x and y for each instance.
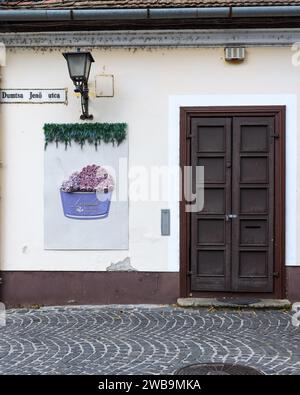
(165, 222)
(104, 85)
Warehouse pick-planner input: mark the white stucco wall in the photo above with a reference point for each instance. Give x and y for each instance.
(150, 85)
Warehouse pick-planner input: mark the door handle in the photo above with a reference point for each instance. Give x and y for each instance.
(231, 216)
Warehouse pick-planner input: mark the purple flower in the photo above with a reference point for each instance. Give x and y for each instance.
(91, 178)
(106, 184)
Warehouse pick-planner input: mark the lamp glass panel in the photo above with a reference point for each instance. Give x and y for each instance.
(76, 63)
(88, 67)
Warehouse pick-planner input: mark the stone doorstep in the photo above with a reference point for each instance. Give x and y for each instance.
(213, 302)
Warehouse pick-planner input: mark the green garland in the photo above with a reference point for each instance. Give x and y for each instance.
(93, 133)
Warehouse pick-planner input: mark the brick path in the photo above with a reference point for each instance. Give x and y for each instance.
(145, 340)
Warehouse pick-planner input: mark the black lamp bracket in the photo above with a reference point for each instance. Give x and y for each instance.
(82, 88)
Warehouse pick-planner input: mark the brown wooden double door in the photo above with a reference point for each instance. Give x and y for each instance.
(232, 238)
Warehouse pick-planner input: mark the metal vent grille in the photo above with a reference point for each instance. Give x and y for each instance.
(234, 53)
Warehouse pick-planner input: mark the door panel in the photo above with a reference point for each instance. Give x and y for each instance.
(211, 234)
(253, 232)
(253, 202)
(233, 254)
(214, 169)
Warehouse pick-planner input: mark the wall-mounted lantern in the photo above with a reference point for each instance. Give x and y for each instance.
(79, 64)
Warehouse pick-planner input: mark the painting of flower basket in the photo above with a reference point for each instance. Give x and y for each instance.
(87, 194)
(85, 205)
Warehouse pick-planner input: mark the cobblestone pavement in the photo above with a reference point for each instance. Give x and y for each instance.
(145, 340)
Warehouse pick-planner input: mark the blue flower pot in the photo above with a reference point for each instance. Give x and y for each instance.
(85, 205)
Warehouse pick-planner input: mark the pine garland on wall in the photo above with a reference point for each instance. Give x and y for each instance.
(94, 133)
